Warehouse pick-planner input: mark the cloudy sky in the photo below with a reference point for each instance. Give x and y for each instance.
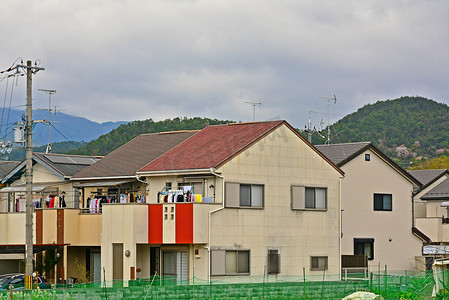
(128, 60)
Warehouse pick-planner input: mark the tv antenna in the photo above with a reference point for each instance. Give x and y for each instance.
(255, 104)
(309, 130)
(50, 110)
(329, 100)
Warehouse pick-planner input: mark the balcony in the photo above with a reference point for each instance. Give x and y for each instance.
(160, 223)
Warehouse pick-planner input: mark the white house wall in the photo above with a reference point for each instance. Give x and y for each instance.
(394, 243)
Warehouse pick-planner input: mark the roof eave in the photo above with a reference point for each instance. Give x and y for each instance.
(173, 172)
(103, 178)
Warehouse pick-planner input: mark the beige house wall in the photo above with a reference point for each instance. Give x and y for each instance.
(394, 243)
(43, 174)
(12, 228)
(279, 161)
(125, 224)
(421, 210)
(82, 229)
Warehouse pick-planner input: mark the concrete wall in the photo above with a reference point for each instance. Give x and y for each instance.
(12, 228)
(359, 220)
(127, 224)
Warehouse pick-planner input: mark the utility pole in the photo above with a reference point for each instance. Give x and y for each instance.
(30, 70)
(49, 92)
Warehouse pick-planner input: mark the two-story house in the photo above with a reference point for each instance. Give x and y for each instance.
(377, 208)
(53, 192)
(236, 199)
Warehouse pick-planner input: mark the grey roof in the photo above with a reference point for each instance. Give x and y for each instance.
(340, 154)
(127, 159)
(427, 177)
(66, 165)
(7, 166)
(62, 165)
(439, 192)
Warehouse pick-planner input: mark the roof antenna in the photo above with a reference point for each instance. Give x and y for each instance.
(329, 100)
(50, 110)
(254, 104)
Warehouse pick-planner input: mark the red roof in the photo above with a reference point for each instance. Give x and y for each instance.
(212, 146)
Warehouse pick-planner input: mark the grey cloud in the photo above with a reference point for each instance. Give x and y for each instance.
(128, 60)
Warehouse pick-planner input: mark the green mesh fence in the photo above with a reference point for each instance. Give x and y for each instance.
(398, 286)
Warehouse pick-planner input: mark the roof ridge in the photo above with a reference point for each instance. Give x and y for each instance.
(62, 154)
(339, 144)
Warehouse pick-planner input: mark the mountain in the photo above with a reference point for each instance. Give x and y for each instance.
(406, 129)
(18, 153)
(64, 127)
(126, 132)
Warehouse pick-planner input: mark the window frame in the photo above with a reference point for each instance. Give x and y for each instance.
(298, 197)
(250, 185)
(364, 241)
(318, 257)
(376, 207)
(367, 157)
(274, 262)
(222, 263)
(233, 195)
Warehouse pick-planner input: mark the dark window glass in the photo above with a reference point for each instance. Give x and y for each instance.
(383, 202)
(310, 198)
(364, 247)
(245, 195)
(367, 157)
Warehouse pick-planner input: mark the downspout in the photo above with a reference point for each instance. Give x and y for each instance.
(341, 229)
(413, 209)
(212, 170)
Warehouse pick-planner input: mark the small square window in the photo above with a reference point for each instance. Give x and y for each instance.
(367, 157)
(318, 263)
(364, 247)
(383, 202)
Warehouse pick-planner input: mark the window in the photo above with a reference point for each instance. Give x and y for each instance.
(273, 262)
(364, 247)
(230, 262)
(318, 263)
(383, 202)
(367, 157)
(251, 195)
(244, 195)
(308, 198)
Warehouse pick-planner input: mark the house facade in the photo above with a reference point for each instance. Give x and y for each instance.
(377, 208)
(56, 218)
(432, 217)
(236, 199)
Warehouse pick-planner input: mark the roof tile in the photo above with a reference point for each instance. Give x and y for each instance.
(211, 146)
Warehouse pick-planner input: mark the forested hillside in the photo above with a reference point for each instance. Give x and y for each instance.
(407, 129)
(126, 132)
(411, 130)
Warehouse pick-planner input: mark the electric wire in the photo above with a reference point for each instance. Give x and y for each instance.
(10, 101)
(4, 105)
